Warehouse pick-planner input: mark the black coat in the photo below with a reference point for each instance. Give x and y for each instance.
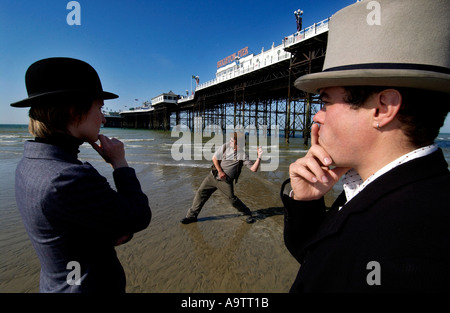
(72, 214)
(401, 220)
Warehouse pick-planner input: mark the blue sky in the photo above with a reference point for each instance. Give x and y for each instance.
(142, 48)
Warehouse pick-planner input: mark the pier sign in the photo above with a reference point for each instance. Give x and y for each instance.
(231, 58)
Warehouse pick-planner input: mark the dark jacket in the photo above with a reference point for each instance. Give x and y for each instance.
(401, 220)
(72, 214)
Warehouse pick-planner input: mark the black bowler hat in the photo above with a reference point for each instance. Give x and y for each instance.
(55, 79)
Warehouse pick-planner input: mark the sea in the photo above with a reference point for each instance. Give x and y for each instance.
(220, 253)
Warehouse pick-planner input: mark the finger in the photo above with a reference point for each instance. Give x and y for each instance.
(317, 169)
(107, 144)
(314, 134)
(298, 170)
(103, 139)
(320, 154)
(117, 141)
(96, 147)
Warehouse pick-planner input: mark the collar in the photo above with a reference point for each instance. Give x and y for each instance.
(353, 183)
(66, 142)
(432, 167)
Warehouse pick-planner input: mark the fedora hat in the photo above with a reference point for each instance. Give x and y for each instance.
(55, 79)
(396, 43)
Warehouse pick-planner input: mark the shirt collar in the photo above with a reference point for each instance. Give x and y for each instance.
(353, 183)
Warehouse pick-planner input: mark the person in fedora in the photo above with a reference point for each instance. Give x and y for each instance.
(71, 214)
(385, 91)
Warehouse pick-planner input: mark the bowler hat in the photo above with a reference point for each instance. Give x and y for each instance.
(401, 43)
(56, 79)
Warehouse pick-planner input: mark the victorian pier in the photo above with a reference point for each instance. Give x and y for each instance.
(249, 90)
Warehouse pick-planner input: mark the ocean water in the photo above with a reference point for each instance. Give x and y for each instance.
(220, 253)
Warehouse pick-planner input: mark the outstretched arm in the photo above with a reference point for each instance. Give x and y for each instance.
(255, 165)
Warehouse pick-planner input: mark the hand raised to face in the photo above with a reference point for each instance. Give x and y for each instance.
(311, 176)
(112, 151)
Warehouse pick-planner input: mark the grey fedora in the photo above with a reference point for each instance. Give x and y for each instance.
(398, 43)
(53, 80)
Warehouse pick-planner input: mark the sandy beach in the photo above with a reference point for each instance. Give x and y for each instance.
(219, 253)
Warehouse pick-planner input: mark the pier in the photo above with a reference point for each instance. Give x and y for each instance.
(249, 90)
(156, 115)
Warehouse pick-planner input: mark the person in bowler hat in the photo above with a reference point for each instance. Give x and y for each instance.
(73, 217)
(385, 91)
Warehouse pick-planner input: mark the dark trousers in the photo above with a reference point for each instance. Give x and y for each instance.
(209, 185)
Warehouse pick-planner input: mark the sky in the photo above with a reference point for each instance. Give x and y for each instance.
(142, 49)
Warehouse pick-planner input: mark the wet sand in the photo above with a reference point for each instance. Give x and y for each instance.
(219, 253)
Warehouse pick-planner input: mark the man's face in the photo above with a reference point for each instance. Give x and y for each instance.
(237, 142)
(345, 132)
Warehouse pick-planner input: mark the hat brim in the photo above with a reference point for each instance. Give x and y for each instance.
(61, 96)
(419, 79)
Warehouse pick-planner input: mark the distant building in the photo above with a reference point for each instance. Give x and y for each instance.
(165, 99)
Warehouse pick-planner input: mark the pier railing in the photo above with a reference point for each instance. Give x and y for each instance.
(311, 31)
(271, 56)
(265, 58)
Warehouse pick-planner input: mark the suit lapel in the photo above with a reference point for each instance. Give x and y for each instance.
(415, 170)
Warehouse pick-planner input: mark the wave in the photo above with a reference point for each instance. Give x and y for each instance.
(136, 140)
(291, 151)
(9, 136)
(8, 142)
(192, 165)
(135, 146)
(12, 152)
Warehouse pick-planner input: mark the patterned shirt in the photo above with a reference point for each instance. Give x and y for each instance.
(353, 183)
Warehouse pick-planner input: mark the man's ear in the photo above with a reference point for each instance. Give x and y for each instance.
(388, 103)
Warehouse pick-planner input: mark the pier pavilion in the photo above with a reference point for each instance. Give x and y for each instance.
(154, 116)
